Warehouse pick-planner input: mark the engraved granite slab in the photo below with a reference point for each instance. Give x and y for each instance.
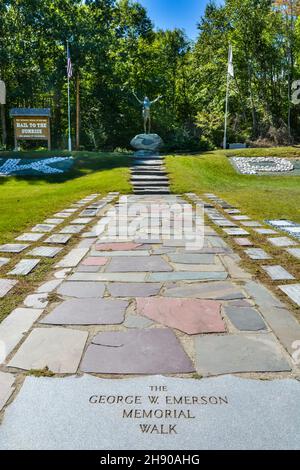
(13, 247)
(43, 228)
(282, 241)
(294, 252)
(235, 231)
(4, 261)
(278, 273)
(257, 254)
(72, 229)
(58, 238)
(5, 286)
(30, 237)
(293, 292)
(24, 267)
(45, 251)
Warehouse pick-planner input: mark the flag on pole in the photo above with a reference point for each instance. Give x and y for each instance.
(69, 64)
(230, 62)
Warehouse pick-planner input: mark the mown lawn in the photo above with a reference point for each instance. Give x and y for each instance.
(25, 201)
(260, 197)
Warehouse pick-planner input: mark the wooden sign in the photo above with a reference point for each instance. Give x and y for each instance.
(31, 124)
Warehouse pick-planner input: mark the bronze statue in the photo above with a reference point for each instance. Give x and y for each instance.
(147, 111)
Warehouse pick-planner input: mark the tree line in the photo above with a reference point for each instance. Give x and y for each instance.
(115, 50)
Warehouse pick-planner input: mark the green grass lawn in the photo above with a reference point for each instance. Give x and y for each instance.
(25, 201)
(260, 197)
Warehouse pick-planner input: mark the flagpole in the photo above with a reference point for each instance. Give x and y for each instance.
(69, 107)
(226, 114)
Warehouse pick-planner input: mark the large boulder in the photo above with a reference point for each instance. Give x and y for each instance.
(146, 142)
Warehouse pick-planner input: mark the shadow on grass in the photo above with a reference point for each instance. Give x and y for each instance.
(84, 164)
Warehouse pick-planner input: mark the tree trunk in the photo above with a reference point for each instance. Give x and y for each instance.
(77, 112)
(3, 124)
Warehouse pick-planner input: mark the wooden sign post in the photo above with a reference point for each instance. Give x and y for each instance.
(31, 124)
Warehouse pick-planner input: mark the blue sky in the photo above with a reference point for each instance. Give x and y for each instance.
(176, 13)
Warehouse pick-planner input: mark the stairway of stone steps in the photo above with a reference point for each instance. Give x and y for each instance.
(148, 175)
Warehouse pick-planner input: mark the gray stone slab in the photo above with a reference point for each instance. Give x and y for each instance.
(187, 276)
(87, 311)
(4, 261)
(45, 251)
(261, 295)
(72, 229)
(217, 355)
(277, 273)
(123, 289)
(88, 269)
(63, 215)
(13, 247)
(245, 318)
(136, 321)
(24, 267)
(58, 238)
(65, 414)
(192, 258)
(59, 349)
(39, 300)
(251, 223)
(282, 241)
(293, 292)
(153, 351)
(294, 252)
(211, 290)
(109, 277)
(82, 289)
(54, 221)
(82, 220)
(14, 326)
(73, 258)
(113, 254)
(6, 387)
(265, 231)
(49, 286)
(43, 228)
(235, 231)
(137, 264)
(257, 254)
(30, 237)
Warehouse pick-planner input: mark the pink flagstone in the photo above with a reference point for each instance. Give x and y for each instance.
(192, 316)
(117, 246)
(94, 261)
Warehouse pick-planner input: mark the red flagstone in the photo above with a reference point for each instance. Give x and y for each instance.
(117, 246)
(192, 316)
(94, 261)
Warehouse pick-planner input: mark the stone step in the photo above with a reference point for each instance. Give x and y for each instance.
(148, 168)
(152, 173)
(150, 183)
(148, 162)
(152, 191)
(149, 178)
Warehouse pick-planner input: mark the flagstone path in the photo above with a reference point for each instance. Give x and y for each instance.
(145, 304)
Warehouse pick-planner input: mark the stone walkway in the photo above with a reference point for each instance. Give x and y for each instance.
(146, 304)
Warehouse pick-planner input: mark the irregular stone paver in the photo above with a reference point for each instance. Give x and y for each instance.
(13, 247)
(73, 258)
(191, 258)
(117, 246)
(43, 228)
(137, 264)
(187, 276)
(257, 254)
(6, 387)
(87, 311)
(49, 286)
(59, 349)
(281, 241)
(15, 325)
(211, 290)
(110, 254)
(239, 353)
(277, 273)
(94, 261)
(6, 285)
(274, 424)
(136, 321)
(45, 251)
(245, 319)
(24, 267)
(82, 289)
(72, 229)
(58, 238)
(243, 241)
(294, 252)
(293, 292)
(30, 237)
(262, 296)
(153, 351)
(203, 268)
(4, 261)
(109, 277)
(118, 289)
(39, 300)
(192, 316)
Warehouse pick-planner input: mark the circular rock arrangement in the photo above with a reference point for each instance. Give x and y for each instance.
(255, 165)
